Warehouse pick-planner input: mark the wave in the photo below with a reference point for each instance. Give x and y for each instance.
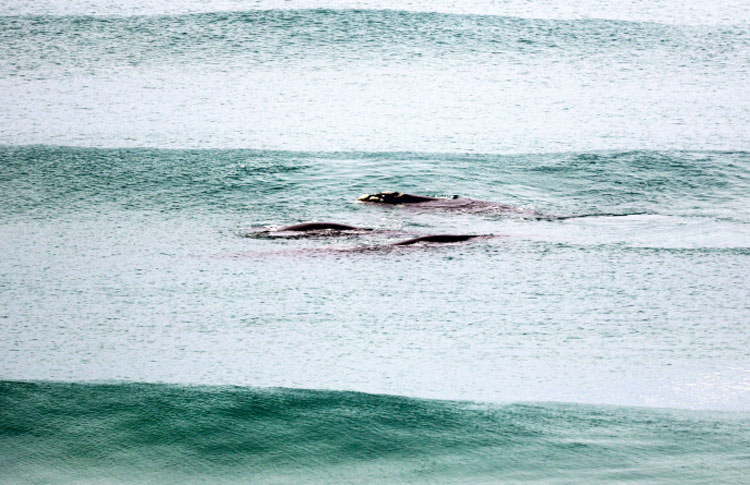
(164, 433)
(283, 36)
(672, 12)
(371, 80)
(43, 178)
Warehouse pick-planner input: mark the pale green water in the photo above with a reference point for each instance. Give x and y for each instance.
(127, 265)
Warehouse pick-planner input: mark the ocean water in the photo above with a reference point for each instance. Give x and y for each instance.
(146, 433)
(145, 338)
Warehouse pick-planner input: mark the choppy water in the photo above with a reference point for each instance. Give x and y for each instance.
(139, 143)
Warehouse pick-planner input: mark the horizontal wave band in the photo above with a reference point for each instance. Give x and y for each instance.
(726, 12)
(149, 432)
(58, 179)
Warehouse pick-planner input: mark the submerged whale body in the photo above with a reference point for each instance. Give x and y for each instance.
(464, 204)
(453, 203)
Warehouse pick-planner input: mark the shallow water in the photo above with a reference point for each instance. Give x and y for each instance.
(140, 144)
(137, 271)
(373, 80)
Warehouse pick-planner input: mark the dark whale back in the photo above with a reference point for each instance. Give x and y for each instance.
(318, 226)
(395, 198)
(438, 238)
(455, 203)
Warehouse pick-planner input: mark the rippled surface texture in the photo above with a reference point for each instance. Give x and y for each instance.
(140, 145)
(373, 80)
(166, 434)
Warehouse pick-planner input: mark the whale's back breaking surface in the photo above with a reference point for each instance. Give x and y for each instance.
(396, 198)
(439, 239)
(456, 203)
(319, 226)
(306, 230)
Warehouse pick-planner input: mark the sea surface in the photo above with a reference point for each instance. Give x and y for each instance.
(148, 335)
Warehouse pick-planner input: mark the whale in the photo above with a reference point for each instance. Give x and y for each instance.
(399, 198)
(465, 204)
(304, 230)
(321, 226)
(456, 202)
(440, 239)
(311, 230)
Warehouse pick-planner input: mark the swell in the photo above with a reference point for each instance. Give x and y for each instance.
(670, 11)
(40, 179)
(267, 37)
(157, 432)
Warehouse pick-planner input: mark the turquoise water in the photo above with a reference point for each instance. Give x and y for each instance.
(73, 433)
(145, 338)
